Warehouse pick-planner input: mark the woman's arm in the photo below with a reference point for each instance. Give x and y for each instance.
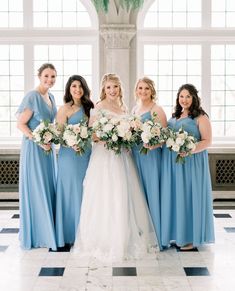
(204, 126)
(22, 122)
(61, 117)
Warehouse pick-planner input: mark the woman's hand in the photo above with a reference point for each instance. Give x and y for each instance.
(184, 154)
(76, 148)
(95, 138)
(46, 147)
(147, 146)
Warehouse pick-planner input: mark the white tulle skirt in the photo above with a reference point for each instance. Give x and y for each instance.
(115, 223)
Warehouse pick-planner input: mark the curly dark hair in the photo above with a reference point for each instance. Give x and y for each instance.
(86, 102)
(195, 109)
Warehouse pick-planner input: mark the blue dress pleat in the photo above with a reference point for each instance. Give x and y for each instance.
(37, 180)
(71, 172)
(186, 194)
(149, 167)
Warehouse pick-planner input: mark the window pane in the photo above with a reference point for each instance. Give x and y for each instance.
(230, 98)
(223, 13)
(4, 129)
(217, 113)
(218, 129)
(68, 60)
(223, 85)
(170, 67)
(4, 100)
(173, 13)
(11, 13)
(217, 98)
(60, 13)
(230, 113)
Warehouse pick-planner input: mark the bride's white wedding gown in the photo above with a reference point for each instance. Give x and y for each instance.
(115, 223)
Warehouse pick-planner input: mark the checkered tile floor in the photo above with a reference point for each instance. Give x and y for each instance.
(208, 268)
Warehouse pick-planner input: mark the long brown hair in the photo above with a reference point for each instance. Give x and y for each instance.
(86, 102)
(195, 109)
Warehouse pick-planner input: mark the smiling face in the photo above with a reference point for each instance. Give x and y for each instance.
(143, 91)
(47, 78)
(76, 90)
(185, 99)
(112, 90)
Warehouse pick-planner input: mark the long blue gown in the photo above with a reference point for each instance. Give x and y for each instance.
(149, 167)
(186, 194)
(37, 180)
(71, 172)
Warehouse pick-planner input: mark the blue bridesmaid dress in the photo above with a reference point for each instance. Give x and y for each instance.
(186, 194)
(37, 180)
(149, 172)
(71, 172)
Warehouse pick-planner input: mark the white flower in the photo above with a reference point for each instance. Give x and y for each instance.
(76, 128)
(123, 127)
(103, 120)
(71, 140)
(182, 135)
(170, 142)
(47, 137)
(114, 137)
(179, 141)
(128, 135)
(84, 132)
(176, 148)
(145, 136)
(108, 127)
(37, 136)
(191, 146)
(95, 124)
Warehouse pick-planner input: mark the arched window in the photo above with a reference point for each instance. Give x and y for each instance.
(63, 32)
(192, 45)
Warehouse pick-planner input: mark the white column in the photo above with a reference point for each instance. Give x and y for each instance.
(117, 38)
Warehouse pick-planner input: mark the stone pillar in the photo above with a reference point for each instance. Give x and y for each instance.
(117, 38)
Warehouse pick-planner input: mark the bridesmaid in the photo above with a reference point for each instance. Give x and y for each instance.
(37, 169)
(149, 165)
(186, 202)
(71, 167)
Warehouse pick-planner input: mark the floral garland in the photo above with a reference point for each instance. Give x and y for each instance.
(126, 4)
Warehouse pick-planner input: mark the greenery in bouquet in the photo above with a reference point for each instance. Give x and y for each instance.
(182, 143)
(152, 134)
(46, 133)
(116, 132)
(77, 136)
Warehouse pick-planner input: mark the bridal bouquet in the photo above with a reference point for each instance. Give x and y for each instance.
(152, 133)
(116, 132)
(181, 142)
(46, 133)
(77, 136)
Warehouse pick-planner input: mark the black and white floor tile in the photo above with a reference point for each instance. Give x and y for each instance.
(207, 268)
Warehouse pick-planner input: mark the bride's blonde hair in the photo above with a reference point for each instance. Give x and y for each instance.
(113, 78)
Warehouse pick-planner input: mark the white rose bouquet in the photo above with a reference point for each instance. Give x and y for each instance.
(77, 136)
(182, 143)
(116, 132)
(46, 133)
(152, 133)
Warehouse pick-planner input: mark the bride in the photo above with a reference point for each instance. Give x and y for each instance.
(115, 223)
